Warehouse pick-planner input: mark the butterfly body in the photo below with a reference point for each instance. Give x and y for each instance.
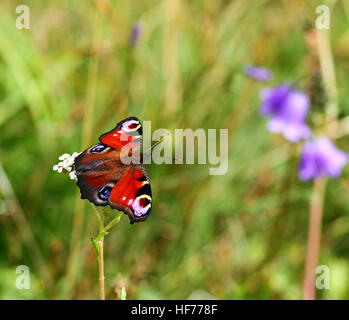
(110, 173)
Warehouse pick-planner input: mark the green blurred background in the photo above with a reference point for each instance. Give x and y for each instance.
(74, 75)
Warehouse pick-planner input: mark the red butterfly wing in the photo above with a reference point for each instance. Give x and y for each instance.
(127, 132)
(132, 194)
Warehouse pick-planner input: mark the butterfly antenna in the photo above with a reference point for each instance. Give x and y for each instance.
(155, 144)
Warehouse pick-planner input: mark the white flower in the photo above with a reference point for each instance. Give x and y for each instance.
(72, 175)
(67, 164)
(64, 156)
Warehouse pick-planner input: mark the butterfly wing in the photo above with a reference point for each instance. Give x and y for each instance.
(127, 132)
(132, 194)
(104, 179)
(98, 169)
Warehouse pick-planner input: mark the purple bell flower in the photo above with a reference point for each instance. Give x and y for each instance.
(287, 109)
(135, 34)
(321, 158)
(258, 73)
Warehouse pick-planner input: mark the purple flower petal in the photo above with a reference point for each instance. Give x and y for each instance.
(287, 109)
(321, 158)
(273, 99)
(296, 107)
(258, 73)
(293, 132)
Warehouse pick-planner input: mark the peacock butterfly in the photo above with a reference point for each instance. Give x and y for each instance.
(106, 177)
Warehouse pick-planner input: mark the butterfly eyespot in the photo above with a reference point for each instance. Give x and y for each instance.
(143, 202)
(98, 148)
(104, 192)
(141, 205)
(131, 125)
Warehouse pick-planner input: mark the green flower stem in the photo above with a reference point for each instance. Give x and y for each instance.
(100, 256)
(114, 222)
(98, 244)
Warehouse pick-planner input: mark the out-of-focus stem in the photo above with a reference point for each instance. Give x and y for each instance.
(173, 87)
(316, 206)
(25, 231)
(87, 128)
(328, 73)
(101, 257)
(314, 238)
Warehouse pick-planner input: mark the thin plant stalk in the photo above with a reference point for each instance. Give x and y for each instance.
(314, 238)
(101, 269)
(319, 187)
(101, 258)
(98, 244)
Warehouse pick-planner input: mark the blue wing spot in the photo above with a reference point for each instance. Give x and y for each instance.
(104, 192)
(98, 148)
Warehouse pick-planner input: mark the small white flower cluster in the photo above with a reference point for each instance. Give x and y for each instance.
(67, 164)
